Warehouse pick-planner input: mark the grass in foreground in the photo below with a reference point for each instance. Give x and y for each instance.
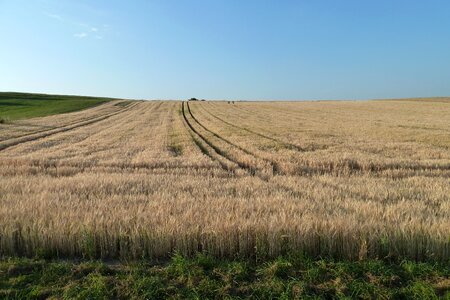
(14, 106)
(289, 277)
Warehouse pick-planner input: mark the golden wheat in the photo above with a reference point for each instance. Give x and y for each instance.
(342, 179)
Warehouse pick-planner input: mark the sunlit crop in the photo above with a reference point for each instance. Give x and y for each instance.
(252, 179)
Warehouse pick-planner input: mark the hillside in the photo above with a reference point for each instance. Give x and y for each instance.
(14, 106)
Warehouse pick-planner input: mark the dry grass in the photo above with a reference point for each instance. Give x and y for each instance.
(344, 179)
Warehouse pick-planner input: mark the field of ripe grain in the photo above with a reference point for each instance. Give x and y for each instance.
(252, 179)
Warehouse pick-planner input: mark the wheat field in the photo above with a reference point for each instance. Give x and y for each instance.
(345, 179)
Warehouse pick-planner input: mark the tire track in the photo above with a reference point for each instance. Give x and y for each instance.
(53, 127)
(251, 169)
(299, 194)
(264, 116)
(111, 127)
(40, 135)
(281, 142)
(47, 129)
(346, 167)
(352, 168)
(207, 147)
(278, 185)
(275, 167)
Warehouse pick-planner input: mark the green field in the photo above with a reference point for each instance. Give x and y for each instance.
(14, 106)
(203, 277)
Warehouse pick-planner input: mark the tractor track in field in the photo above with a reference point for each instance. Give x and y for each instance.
(202, 143)
(249, 169)
(217, 153)
(307, 148)
(43, 134)
(285, 144)
(353, 168)
(49, 128)
(46, 129)
(155, 107)
(279, 185)
(274, 165)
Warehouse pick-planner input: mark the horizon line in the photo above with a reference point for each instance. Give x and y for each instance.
(231, 99)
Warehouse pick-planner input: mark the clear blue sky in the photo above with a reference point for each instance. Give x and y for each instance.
(227, 49)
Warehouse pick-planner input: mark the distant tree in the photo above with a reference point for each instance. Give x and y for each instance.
(193, 99)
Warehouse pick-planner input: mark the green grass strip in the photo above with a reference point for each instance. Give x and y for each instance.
(203, 277)
(14, 106)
